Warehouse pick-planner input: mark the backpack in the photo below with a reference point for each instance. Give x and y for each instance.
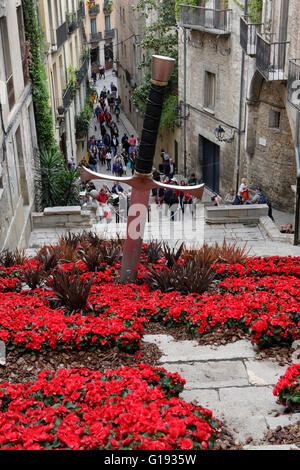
(262, 199)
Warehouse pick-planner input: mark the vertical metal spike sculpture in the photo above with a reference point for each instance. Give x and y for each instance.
(142, 182)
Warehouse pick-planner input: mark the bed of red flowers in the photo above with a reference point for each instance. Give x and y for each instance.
(129, 408)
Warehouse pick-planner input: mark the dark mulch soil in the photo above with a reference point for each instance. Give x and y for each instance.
(25, 367)
(284, 435)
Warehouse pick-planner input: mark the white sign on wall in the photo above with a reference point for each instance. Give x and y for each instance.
(262, 142)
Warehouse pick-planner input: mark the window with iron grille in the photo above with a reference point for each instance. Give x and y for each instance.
(274, 119)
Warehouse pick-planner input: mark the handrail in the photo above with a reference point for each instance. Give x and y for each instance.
(204, 8)
(272, 42)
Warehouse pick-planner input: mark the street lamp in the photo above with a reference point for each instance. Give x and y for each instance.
(177, 110)
(220, 133)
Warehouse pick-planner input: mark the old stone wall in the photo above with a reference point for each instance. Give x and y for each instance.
(221, 56)
(272, 165)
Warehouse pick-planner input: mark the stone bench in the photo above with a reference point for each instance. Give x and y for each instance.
(62, 217)
(243, 214)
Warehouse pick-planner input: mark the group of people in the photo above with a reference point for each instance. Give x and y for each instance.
(173, 198)
(111, 151)
(103, 200)
(243, 197)
(100, 71)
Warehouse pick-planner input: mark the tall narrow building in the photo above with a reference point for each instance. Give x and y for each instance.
(67, 69)
(238, 83)
(102, 35)
(18, 142)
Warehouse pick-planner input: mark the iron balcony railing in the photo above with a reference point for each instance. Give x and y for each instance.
(109, 33)
(68, 96)
(94, 10)
(293, 83)
(81, 12)
(96, 37)
(271, 58)
(205, 19)
(72, 22)
(248, 35)
(61, 35)
(82, 72)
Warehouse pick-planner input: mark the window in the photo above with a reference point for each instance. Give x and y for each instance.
(22, 172)
(210, 86)
(107, 23)
(23, 45)
(7, 62)
(51, 22)
(56, 14)
(93, 26)
(274, 119)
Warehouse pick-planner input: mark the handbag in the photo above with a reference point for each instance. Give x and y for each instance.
(107, 212)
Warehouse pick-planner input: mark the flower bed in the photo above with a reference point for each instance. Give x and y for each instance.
(287, 388)
(133, 407)
(258, 297)
(79, 409)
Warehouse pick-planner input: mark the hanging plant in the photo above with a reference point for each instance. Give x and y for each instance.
(108, 6)
(40, 96)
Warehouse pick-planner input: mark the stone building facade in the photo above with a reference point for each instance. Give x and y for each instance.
(131, 25)
(237, 78)
(18, 142)
(101, 33)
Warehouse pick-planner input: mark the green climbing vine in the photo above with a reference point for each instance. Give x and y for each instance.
(254, 8)
(40, 96)
(185, 2)
(161, 37)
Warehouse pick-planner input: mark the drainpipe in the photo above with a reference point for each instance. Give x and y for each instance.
(184, 101)
(296, 231)
(238, 155)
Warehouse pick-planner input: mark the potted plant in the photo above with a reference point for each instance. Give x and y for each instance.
(108, 6)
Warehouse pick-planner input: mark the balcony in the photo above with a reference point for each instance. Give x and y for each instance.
(93, 11)
(271, 58)
(248, 35)
(60, 36)
(204, 19)
(109, 33)
(293, 83)
(72, 22)
(82, 72)
(107, 7)
(81, 12)
(68, 96)
(95, 37)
